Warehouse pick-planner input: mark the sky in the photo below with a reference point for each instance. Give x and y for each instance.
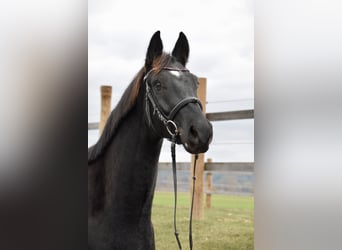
(221, 38)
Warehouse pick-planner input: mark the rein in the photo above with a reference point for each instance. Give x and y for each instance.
(174, 171)
(172, 129)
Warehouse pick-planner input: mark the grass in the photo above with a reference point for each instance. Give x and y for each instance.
(227, 225)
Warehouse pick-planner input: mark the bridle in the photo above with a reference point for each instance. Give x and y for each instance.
(172, 129)
(167, 120)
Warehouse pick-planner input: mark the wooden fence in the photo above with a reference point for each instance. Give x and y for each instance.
(235, 171)
(218, 116)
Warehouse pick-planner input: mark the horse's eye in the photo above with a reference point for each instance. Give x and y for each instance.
(157, 86)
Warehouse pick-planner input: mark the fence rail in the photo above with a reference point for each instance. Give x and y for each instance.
(212, 166)
(231, 115)
(217, 116)
(93, 125)
(233, 178)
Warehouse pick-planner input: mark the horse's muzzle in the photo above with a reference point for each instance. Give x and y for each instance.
(197, 137)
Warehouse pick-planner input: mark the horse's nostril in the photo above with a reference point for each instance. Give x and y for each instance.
(193, 131)
(194, 137)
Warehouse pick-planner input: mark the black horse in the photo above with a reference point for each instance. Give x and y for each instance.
(122, 166)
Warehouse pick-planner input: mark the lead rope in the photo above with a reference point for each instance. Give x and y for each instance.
(174, 170)
(192, 202)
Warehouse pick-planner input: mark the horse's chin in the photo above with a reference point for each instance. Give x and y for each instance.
(195, 149)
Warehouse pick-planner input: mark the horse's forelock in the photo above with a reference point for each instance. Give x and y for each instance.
(160, 62)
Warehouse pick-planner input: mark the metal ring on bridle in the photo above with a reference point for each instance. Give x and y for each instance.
(175, 128)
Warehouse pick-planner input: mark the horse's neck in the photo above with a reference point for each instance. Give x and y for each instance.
(132, 167)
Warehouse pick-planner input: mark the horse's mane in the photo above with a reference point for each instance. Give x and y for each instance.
(125, 105)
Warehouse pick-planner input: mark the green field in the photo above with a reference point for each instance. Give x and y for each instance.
(228, 224)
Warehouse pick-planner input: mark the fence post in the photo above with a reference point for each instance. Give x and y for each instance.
(209, 187)
(198, 199)
(106, 99)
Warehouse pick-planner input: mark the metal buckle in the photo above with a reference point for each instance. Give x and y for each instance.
(175, 128)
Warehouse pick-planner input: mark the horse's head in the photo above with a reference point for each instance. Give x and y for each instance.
(173, 110)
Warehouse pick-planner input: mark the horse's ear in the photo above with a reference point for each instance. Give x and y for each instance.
(155, 49)
(181, 50)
